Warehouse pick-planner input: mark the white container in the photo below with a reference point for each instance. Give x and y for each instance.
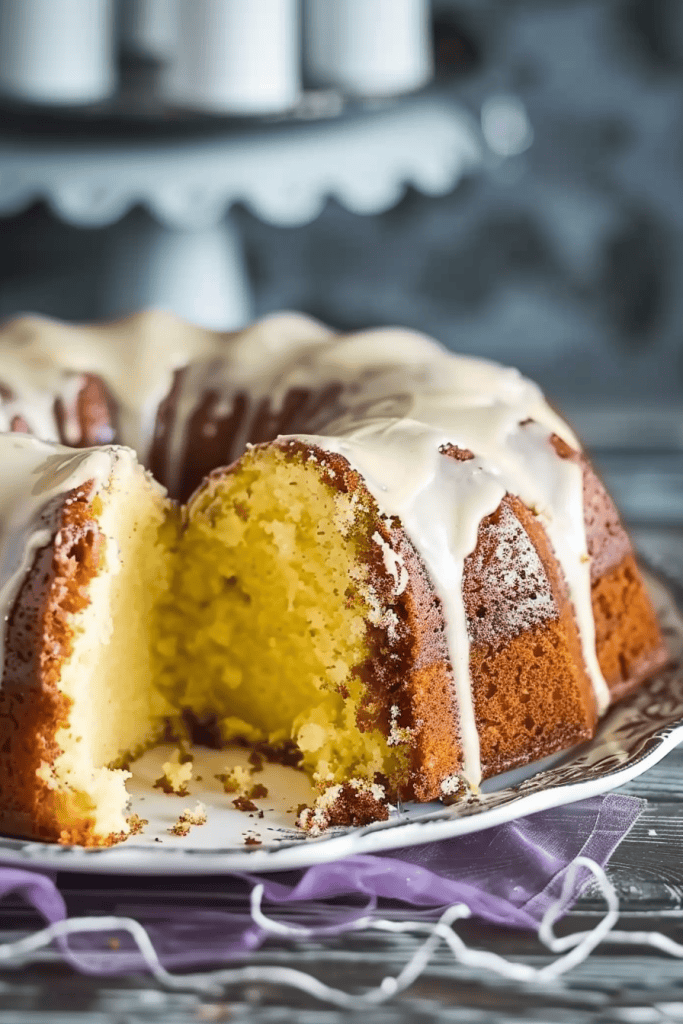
(150, 27)
(57, 51)
(198, 274)
(368, 47)
(236, 56)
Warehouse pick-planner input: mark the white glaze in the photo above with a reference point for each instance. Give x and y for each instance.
(35, 473)
(403, 399)
(136, 357)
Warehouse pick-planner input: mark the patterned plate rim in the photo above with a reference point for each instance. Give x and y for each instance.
(543, 790)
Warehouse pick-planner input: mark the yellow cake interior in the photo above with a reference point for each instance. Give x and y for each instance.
(115, 711)
(265, 628)
(253, 615)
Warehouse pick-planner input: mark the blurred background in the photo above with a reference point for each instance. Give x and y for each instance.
(505, 175)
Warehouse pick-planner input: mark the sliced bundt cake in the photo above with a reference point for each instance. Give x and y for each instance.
(406, 573)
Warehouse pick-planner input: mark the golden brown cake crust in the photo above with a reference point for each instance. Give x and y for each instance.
(38, 641)
(628, 639)
(532, 693)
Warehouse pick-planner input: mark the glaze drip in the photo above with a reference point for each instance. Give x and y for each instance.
(34, 475)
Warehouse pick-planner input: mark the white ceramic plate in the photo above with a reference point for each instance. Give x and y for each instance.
(636, 734)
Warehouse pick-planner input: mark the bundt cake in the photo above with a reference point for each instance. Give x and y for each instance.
(408, 577)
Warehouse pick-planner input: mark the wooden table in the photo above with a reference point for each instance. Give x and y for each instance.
(616, 984)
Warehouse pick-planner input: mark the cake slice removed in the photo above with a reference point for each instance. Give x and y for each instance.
(288, 625)
(77, 700)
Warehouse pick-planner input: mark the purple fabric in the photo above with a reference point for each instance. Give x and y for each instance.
(508, 875)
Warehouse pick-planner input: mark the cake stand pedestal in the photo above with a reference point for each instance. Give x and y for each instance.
(184, 253)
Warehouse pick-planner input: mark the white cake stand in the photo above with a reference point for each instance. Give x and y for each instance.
(185, 255)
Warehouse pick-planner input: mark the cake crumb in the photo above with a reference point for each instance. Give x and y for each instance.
(180, 828)
(136, 824)
(236, 780)
(240, 782)
(252, 841)
(187, 819)
(176, 775)
(196, 816)
(256, 761)
(452, 788)
(243, 803)
(356, 802)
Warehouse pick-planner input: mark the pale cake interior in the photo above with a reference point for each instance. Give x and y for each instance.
(115, 711)
(253, 616)
(266, 625)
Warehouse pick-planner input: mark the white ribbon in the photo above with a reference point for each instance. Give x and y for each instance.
(575, 948)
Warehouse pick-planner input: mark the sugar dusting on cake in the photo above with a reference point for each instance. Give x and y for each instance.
(524, 597)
